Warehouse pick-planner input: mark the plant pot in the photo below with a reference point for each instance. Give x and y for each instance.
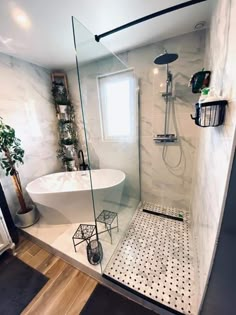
(65, 134)
(69, 151)
(70, 165)
(23, 220)
(64, 115)
(68, 126)
(63, 109)
(69, 147)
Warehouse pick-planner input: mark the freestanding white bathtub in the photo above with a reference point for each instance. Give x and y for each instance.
(66, 197)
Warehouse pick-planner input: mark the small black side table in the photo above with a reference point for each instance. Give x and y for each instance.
(107, 217)
(84, 233)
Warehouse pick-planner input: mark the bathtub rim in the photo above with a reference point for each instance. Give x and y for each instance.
(77, 190)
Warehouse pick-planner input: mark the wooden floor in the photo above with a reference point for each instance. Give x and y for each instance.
(67, 289)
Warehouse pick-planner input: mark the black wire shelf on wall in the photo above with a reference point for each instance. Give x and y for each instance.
(210, 114)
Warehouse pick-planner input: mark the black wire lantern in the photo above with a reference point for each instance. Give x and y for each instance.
(94, 252)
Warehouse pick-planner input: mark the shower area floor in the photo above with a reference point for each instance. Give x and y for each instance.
(155, 258)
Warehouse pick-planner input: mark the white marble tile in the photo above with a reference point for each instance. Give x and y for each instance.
(216, 145)
(152, 108)
(26, 105)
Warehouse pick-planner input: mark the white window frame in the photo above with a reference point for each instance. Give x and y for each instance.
(103, 79)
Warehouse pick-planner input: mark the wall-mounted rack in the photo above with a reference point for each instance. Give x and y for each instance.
(210, 114)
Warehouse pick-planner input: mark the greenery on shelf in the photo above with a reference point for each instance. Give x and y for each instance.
(62, 124)
(60, 94)
(66, 121)
(66, 129)
(61, 153)
(71, 114)
(68, 141)
(67, 159)
(70, 164)
(12, 153)
(64, 102)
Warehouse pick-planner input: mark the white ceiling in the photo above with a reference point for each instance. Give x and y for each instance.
(43, 34)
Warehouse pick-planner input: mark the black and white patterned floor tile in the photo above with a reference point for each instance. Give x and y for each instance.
(155, 258)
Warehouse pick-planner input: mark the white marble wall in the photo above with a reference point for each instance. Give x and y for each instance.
(216, 145)
(26, 105)
(160, 183)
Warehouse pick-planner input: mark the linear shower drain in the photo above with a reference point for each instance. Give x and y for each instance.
(163, 215)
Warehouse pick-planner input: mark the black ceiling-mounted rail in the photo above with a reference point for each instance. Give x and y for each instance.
(148, 17)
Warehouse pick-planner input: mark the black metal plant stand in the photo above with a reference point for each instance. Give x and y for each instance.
(107, 217)
(85, 232)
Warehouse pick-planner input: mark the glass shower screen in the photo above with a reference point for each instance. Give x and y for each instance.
(110, 119)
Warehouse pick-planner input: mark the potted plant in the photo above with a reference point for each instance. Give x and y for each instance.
(69, 148)
(11, 153)
(67, 158)
(60, 94)
(70, 164)
(66, 129)
(61, 99)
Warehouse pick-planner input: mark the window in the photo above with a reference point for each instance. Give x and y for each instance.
(117, 105)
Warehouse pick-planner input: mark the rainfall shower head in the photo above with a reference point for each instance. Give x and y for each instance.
(165, 58)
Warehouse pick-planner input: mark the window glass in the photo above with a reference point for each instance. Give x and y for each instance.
(117, 99)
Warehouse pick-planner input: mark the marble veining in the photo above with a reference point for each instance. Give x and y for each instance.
(155, 258)
(161, 181)
(216, 146)
(26, 104)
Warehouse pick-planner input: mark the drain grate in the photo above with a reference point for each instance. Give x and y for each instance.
(155, 258)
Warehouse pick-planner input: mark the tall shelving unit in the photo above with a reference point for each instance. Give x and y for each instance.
(68, 140)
